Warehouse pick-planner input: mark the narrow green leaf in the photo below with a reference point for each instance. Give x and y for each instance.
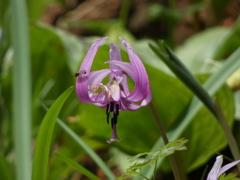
(88, 149)
(211, 86)
(42, 149)
(184, 74)
(76, 166)
(21, 89)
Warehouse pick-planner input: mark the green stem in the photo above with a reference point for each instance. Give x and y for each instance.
(171, 23)
(204, 172)
(228, 133)
(21, 89)
(124, 12)
(165, 139)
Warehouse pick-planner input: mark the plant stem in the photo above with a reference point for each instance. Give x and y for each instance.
(228, 133)
(21, 89)
(165, 139)
(124, 12)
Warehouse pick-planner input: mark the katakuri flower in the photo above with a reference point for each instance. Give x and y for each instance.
(115, 96)
(217, 170)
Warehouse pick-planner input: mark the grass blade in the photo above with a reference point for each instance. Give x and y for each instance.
(21, 89)
(88, 149)
(76, 166)
(213, 83)
(184, 75)
(42, 149)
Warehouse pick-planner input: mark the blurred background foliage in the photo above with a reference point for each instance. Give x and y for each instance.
(202, 33)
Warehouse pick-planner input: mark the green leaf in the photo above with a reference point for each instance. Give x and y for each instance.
(152, 157)
(183, 74)
(6, 173)
(214, 83)
(201, 52)
(42, 149)
(76, 166)
(229, 176)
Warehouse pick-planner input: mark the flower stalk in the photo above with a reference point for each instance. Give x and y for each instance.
(166, 141)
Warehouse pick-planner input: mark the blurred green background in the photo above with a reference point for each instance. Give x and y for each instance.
(202, 33)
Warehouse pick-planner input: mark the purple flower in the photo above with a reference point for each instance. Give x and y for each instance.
(115, 96)
(217, 170)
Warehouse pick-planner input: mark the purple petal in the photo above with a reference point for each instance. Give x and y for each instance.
(115, 91)
(141, 89)
(226, 167)
(88, 60)
(124, 84)
(147, 100)
(82, 80)
(127, 105)
(114, 54)
(213, 174)
(96, 77)
(126, 67)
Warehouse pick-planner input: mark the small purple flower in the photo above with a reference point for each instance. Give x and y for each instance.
(115, 95)
(217, 170)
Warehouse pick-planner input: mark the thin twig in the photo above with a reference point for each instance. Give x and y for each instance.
(165, 139)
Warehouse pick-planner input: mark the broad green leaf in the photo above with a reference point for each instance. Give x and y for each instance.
(201, 53)
(49, 66)
(74, 47)
(42, 148)
(76, 166)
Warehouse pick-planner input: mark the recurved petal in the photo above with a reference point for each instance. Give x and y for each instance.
(88, 60)
(141, 89)
(148, 99)
(82, 80)
(124, 66)
(213, 174)
(96, 77)
(226, 167)
(127, 105)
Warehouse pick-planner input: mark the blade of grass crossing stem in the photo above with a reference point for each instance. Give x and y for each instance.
(89, 150)
(77, 166)
(42, 149)
(184, 75)
(21, 89)
(214, 82)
